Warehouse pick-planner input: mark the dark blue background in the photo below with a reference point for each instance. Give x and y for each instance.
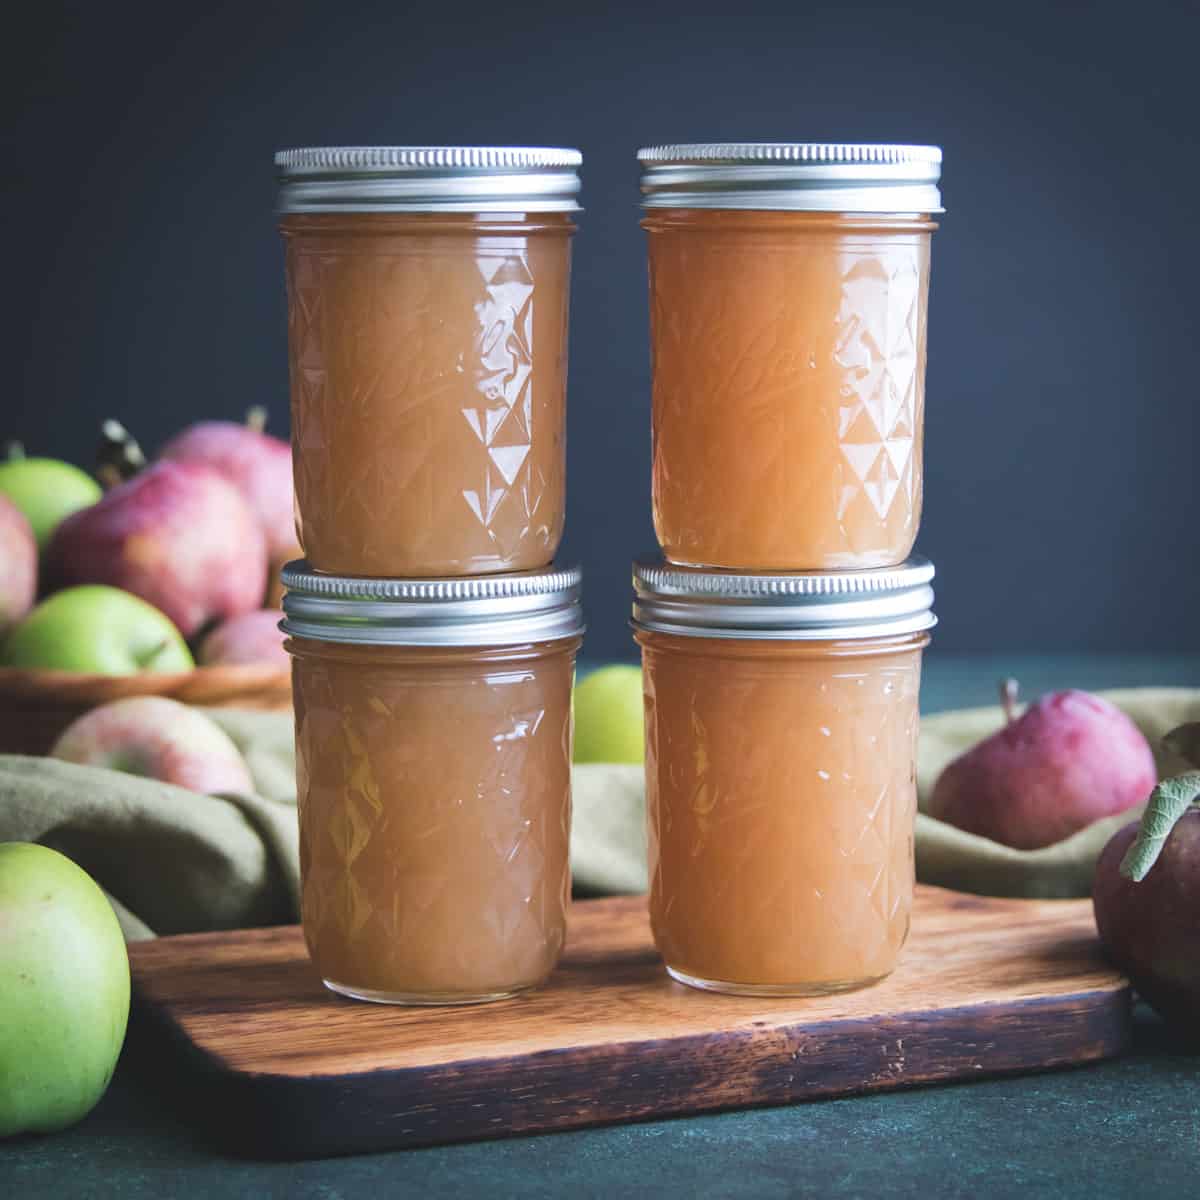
(143, 278)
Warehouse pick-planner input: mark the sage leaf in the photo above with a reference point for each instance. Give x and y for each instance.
(1168, 802)
(1185, 741)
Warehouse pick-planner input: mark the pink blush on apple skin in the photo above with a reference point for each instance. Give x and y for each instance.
(178, 535)
(157, 738)
(257, 464)
(1069, 760)
(18, 564)
(252, 638)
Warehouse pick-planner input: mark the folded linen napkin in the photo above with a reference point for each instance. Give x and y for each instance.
(174, 861)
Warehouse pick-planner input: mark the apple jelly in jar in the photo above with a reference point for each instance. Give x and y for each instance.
(427, 324)
(433, 771)
(781, 732)
(788, 288)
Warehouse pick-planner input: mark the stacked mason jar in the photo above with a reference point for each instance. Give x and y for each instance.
(782, 631)
(433, 641)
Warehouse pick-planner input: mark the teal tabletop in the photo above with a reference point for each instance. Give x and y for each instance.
(1114, 1129)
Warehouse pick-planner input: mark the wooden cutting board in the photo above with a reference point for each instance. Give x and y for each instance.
(985, 986)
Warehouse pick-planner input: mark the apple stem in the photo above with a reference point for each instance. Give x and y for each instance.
(14, 451)
(1009, 690)
(256, 418)
(119, 457)
(147, 659)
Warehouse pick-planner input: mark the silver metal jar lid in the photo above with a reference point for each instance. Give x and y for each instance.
(797, 606)
(793, 176)
(479, 610)
(322, 179)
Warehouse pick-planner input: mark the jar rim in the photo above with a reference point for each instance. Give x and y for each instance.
(785, 606)
(507, 609)
(851, 177)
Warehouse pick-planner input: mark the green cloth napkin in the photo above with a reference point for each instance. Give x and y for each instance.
(173, 861)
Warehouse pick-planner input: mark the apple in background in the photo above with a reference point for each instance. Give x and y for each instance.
(159, 739)
(97, 630)
(18, 565)
(178, 535)
(46, 490)
(609, 718)
(257, 464)
(251, 638)
(1069, 760)
(64, 990)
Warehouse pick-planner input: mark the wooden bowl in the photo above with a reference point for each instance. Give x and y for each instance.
(36, 706)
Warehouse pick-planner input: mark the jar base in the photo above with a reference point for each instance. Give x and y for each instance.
(423, 999)
(779, 990)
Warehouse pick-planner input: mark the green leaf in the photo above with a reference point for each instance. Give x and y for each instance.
(1185, 741)
(1168, 802)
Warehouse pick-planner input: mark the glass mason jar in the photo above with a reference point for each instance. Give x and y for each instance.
(788, 288)
(433, 772)
(427, 325)
(781, 731)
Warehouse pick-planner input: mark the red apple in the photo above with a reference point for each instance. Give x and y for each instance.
(1151, 928)
(157, 738)
(1069, 760)
(251, 638)
(1147, 893)
(178, 535)
(257, 464)
(18, 564)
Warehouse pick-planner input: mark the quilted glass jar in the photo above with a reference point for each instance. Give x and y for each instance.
(427, 325)
(781, 730)
(788, 288)
(433, 769)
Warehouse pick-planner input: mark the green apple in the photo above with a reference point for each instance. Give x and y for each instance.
(46, 490)
(609, 725)
(99, 630)
(64, 990)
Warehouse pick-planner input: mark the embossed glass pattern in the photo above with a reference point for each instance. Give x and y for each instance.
(428, 377)
(434, 795)
(781, 795)
(788, 354)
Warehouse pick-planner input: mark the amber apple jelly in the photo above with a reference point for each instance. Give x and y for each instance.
(433, 762)
(781, 729)
(788, 289)
(427, 325)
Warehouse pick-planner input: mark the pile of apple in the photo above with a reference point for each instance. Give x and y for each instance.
(179, 553)
(167, 569)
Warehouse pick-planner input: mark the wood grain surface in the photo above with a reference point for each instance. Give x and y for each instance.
(985, 986)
